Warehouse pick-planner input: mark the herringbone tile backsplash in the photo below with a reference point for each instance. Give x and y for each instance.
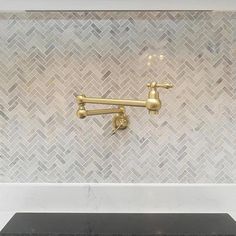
(48, 58)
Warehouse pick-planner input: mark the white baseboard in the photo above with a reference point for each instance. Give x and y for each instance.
(214, 198)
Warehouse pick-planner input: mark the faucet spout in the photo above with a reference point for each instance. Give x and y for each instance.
(153, 103)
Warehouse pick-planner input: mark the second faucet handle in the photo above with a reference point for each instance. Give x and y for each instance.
(156, 85)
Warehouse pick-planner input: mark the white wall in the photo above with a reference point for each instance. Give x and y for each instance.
(117, 5)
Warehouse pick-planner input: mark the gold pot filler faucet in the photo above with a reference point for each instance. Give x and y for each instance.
(120, 120)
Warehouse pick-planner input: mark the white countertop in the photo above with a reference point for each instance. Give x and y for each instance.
(4, 218)
(125, 198)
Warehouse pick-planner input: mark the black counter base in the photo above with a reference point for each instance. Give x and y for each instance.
(83, 224)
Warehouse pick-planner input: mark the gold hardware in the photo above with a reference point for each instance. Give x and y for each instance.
(120, 120)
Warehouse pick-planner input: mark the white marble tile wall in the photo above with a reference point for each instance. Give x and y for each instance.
(48, 58)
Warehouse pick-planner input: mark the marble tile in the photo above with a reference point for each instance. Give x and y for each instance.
(48, 58)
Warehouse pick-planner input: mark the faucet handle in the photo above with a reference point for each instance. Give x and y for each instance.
(156, 85)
